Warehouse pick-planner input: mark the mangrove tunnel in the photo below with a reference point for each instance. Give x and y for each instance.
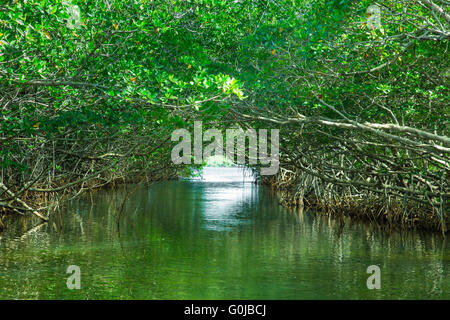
(327, 123)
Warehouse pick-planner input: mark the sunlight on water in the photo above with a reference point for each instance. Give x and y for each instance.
(222, 206)
(227, 191)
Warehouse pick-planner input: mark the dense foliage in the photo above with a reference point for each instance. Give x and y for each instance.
(362, 108)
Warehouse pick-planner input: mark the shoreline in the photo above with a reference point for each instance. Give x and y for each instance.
(368, 208)
(362, 207)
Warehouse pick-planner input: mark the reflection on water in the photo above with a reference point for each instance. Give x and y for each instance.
(222, 194)
(213, 240)
(222, 205)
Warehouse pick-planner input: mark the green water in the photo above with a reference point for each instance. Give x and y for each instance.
(213, 240)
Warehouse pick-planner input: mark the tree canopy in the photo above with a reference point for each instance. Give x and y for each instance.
(91, 90)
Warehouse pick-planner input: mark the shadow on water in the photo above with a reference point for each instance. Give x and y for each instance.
(218, 238)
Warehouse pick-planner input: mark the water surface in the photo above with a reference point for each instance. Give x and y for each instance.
(218, 238)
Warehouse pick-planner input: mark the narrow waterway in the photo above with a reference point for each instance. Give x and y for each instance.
(222, 237)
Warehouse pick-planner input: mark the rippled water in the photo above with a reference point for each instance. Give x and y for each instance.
(216, 238)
